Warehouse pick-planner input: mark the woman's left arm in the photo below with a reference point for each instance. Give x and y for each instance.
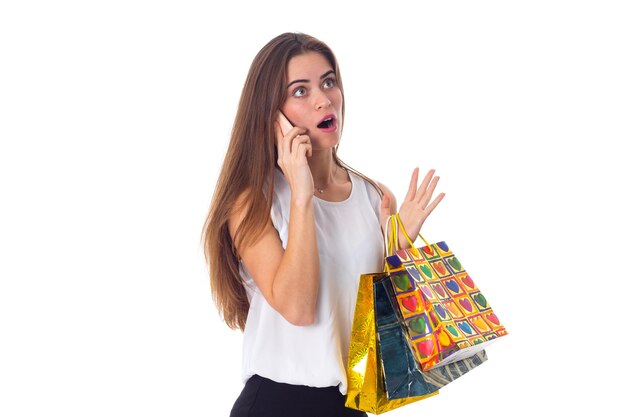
(415, 208)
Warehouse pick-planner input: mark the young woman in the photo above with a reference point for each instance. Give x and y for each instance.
(290, 230)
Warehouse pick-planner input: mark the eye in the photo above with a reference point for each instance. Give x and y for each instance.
(329, 83)
(299, 92)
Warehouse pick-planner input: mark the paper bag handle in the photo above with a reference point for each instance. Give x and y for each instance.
(391, 237)
(406, 235)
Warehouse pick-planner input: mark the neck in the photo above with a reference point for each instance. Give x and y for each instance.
(323, 168)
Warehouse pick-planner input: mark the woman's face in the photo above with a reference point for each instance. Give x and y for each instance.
(313, 99)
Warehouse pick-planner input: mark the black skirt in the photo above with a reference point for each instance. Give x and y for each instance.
(262, 397)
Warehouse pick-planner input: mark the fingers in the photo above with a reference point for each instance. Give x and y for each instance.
(429, 193)
(410, 195)
(285, 132)
(299, 142)
(424, 185)
(418, 205)
(425, 190)
(293, 146)
(434, 204)
(289, 139)
(301, 146)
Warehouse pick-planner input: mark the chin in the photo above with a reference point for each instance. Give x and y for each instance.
(324, 142)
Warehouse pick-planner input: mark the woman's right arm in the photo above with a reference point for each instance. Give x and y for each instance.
(289, 278)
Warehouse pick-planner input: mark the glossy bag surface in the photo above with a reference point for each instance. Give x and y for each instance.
(402, 373)
(366, 386)
(446, 318)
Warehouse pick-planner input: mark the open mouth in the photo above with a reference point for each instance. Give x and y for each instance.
(327, 123)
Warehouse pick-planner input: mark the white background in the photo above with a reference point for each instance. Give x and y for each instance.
(114, 119)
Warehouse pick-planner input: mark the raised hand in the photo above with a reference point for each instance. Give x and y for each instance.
(294, 146)
(417, 204)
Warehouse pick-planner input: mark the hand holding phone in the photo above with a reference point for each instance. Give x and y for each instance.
(289, 137)
(294, 146)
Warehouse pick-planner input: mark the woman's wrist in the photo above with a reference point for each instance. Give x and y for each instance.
(403, 231)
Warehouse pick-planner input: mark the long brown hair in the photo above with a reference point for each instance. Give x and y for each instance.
(248, 169)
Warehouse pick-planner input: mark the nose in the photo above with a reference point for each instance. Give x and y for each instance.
(322, 101)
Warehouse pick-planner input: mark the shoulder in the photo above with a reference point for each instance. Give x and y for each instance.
(387, 193)
(384, 188)
(252, 199)
(251, 207)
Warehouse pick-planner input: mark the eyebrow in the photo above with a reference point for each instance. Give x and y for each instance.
(324, 75)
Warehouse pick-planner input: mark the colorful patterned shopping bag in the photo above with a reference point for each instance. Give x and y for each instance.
(403, 375)
(446, 318)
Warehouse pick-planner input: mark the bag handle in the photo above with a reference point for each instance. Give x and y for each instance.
(406, 235)
(392, 242)
(390, 238)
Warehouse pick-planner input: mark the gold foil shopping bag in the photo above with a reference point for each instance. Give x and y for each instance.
(366, 386)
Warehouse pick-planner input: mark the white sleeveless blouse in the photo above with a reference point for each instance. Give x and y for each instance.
(350, 243)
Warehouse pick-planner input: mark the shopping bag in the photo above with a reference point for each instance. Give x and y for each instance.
(366, 387)
(383, 373)
(402, 373)
(445, 317)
